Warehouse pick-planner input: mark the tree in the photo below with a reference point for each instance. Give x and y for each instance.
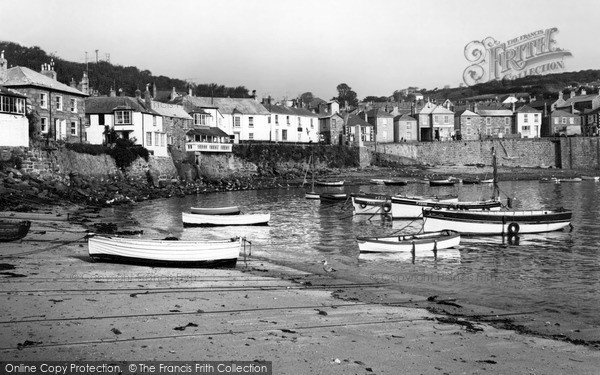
(306, 98)
(346, 97)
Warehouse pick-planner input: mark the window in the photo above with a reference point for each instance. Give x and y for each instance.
(148, 139)
(44, 100)
(525, 119)
(435, 119)
(408, 135)
(44, 125)
(58, 103)
(122, 117)
(11, 104)
(556, 121)
(153, 120)
(425, 120)
(525, 128)
(299, 121)
(408, 126)
(446, 120)
(237, 121)
(101, 119)
(488, 121)
(571, 121)
(468, 121)
(287, 120)
(73, 128)
(276, 119)
(199, 119)
(156, 139)
(536, 117)
(284, 135)
(269, 120)
(73, 105)
(250, 122)
(311, 124)
(507, 121)
(563, 120)
(251, 136)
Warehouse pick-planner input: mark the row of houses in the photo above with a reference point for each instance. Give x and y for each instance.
(200, 124)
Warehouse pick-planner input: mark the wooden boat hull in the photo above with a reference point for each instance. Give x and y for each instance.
(410, 208)
(231, 210)
(312, 195)
(13, 230)
(371, 205)
(442, 182)
(330, 183)
(224, 220)
(333, 197)
(164, 252)
(495, 222)
(417, 243)
(395, 182)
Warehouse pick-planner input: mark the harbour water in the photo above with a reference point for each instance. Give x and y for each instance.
(555, 275)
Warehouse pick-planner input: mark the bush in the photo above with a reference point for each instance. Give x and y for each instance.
(124, 151)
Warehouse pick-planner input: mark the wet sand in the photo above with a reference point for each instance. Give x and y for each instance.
(58, 305)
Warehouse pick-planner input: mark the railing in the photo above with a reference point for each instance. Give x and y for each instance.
(208, 147)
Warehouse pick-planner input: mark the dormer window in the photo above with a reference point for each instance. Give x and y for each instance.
(199, 119)
(122, 117)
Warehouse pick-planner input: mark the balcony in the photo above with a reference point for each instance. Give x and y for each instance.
(208, 147)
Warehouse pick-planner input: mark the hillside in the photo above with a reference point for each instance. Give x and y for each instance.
(104, 75)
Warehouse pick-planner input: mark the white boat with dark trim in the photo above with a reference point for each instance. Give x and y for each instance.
(371, 204)
(415, 243)
(409, 208)
(220, 253)
(496, 222)
(224, 220)
(229, 210)
(330, 182)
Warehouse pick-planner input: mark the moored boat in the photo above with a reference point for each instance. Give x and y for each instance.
(333, 197)
(510, 222)
(371, 204)
(442, 182)
(224, 220)
(395, 182)
(312, 195)
(330, 182)
(573, 179)
(221, 253)
(416, 243)
(12, 230)
(228, 210)
(590, 178)
(412, 207)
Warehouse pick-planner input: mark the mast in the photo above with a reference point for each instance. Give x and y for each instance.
(496, 193)
(313, 170)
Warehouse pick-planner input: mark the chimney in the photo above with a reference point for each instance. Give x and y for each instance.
(3, 68)
(572, 93)
(48, 70)
(173, 93)
(583, 92)
(148, 97)
(112, 93)
(138, 94)
(254, 94)
(85, 83)
(73, 84)
(190, 90)
(560, 95)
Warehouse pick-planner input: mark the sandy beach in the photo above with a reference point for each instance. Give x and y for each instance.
(58, 305)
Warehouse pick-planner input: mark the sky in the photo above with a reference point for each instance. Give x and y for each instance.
(284, 48)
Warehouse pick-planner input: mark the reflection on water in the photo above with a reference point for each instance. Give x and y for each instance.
(555, 272)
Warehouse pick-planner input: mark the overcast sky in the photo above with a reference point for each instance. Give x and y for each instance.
(287, 47)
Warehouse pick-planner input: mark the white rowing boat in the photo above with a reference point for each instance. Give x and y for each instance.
(415, 243)
(229, 210)
(224, 220)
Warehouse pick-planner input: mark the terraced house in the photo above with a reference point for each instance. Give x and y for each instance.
(59, 109)
(291, 124)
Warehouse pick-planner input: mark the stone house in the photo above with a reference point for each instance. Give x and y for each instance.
(383, 124)
(558, 121)
(331, 129)
(176, 123)
(357, 130)
(58, 108)
(467, 125)
(576, 103)
(436, 122)
(494, 123)
(405, 128)
(14, 125)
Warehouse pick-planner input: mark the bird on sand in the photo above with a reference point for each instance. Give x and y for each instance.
(327, 268)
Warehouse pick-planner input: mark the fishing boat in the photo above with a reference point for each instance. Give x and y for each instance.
(330, 183)
(221, 253)
(224, 220)
(412, 207)
(471, 181)
(229, 210)
(333, 197)
(416, 243)
(503, 222)
(509, 222)
(395, 182)
(371, 204)
(12, 230)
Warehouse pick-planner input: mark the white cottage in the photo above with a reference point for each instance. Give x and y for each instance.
(14, 126)
(528, 122)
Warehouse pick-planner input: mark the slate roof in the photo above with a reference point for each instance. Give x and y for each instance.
(560, 113)
(9, 92)
(290, 111)
(465, 112)
(527, 109)
(107, 104)
(170, 110)
(225, 105)
(208, 130)
(404, 117)
(354, 120)
(576, 99)
(378, 112)
(20, 76)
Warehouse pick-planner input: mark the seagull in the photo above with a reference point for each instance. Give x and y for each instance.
(327, 268)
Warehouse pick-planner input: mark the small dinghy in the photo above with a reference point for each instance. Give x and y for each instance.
(415, 243)
(12, 230)
(224, 220)
(230, 210)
